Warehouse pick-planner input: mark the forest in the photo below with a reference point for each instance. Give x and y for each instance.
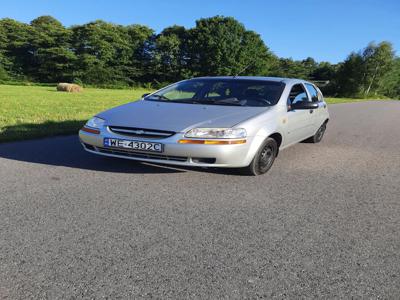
(104, 54)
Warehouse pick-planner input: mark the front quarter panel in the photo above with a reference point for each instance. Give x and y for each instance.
(261, 127)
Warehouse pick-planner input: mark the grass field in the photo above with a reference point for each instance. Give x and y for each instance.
(33, 111)
(345, 100)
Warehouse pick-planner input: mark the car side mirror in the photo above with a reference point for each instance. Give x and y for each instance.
(304, 105)
(145, 95)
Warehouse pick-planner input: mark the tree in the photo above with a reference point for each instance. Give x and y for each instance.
(15, 47)
(3, 73)
(171, 54)
(390, 83)
(109, 53)
(309, 65)
(378, 61)
(98, 47)
(4, 61)
(361, 73)
(105, 53)
(222, 46)
(53, 59)
(287, 67)
(255, 55)
(350, 76)
(324, 71)
(139, 65)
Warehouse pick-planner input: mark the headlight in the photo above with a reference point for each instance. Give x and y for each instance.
(95, 122)
(217, 133)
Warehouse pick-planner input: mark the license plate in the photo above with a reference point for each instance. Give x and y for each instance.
(133, 145)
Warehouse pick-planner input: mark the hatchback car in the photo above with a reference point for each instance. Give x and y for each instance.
(230, 122)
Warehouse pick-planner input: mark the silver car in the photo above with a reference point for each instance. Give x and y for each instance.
(230, 122)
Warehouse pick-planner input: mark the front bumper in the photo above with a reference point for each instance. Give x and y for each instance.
(195, 155)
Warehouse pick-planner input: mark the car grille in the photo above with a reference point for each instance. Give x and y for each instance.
(141, 132)
(136, 154)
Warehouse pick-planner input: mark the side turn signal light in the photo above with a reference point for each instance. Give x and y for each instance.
(90, 130)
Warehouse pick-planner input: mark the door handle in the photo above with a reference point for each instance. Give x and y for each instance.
(311, 111)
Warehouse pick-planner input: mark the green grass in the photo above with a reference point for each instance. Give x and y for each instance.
(346, 100)
(37, 111)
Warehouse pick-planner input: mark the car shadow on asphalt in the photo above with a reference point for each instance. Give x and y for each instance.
(66, 151)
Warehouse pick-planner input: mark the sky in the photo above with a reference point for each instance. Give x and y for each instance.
(327, 30)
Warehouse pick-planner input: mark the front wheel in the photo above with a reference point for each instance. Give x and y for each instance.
(263, 159)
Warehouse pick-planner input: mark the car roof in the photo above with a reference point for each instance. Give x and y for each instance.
(277, 79)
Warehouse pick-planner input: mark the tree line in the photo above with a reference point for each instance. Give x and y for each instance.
(103, 54)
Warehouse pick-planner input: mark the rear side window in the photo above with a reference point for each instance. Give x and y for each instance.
(320, 97)
(313, 92)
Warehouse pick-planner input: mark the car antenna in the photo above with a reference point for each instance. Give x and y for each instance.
(244, 69)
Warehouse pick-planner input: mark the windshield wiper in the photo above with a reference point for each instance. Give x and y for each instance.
(189, 101)
(166, 99)
(227, 101)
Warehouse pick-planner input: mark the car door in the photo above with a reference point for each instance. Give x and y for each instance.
(300, 122)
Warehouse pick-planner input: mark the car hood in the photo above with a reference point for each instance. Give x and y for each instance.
(178, 117)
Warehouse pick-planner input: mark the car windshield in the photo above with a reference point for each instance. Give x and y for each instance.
(232, 92)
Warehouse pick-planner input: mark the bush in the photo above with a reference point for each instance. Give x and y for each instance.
(3, 75)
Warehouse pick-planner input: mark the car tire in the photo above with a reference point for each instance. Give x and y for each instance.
(263, 160)
(317, 137)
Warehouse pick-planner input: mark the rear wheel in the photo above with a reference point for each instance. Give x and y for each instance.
(317, 137)
(264, 158)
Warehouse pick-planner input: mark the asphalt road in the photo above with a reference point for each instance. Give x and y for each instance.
(323, 223)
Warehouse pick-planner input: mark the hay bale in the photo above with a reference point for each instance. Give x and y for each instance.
(62, 87)
(69, 87)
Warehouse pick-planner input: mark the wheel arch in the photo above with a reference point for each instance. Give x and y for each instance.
(278, 138)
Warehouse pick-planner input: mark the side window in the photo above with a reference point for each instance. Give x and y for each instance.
(313, 92)
(320, 97)
(297, 94)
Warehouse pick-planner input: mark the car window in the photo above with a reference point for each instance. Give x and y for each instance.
(219, 90)
(297, 94)
(183, 90)
(313, 92)
(226, 91)
(245, 92)
(320, 97)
